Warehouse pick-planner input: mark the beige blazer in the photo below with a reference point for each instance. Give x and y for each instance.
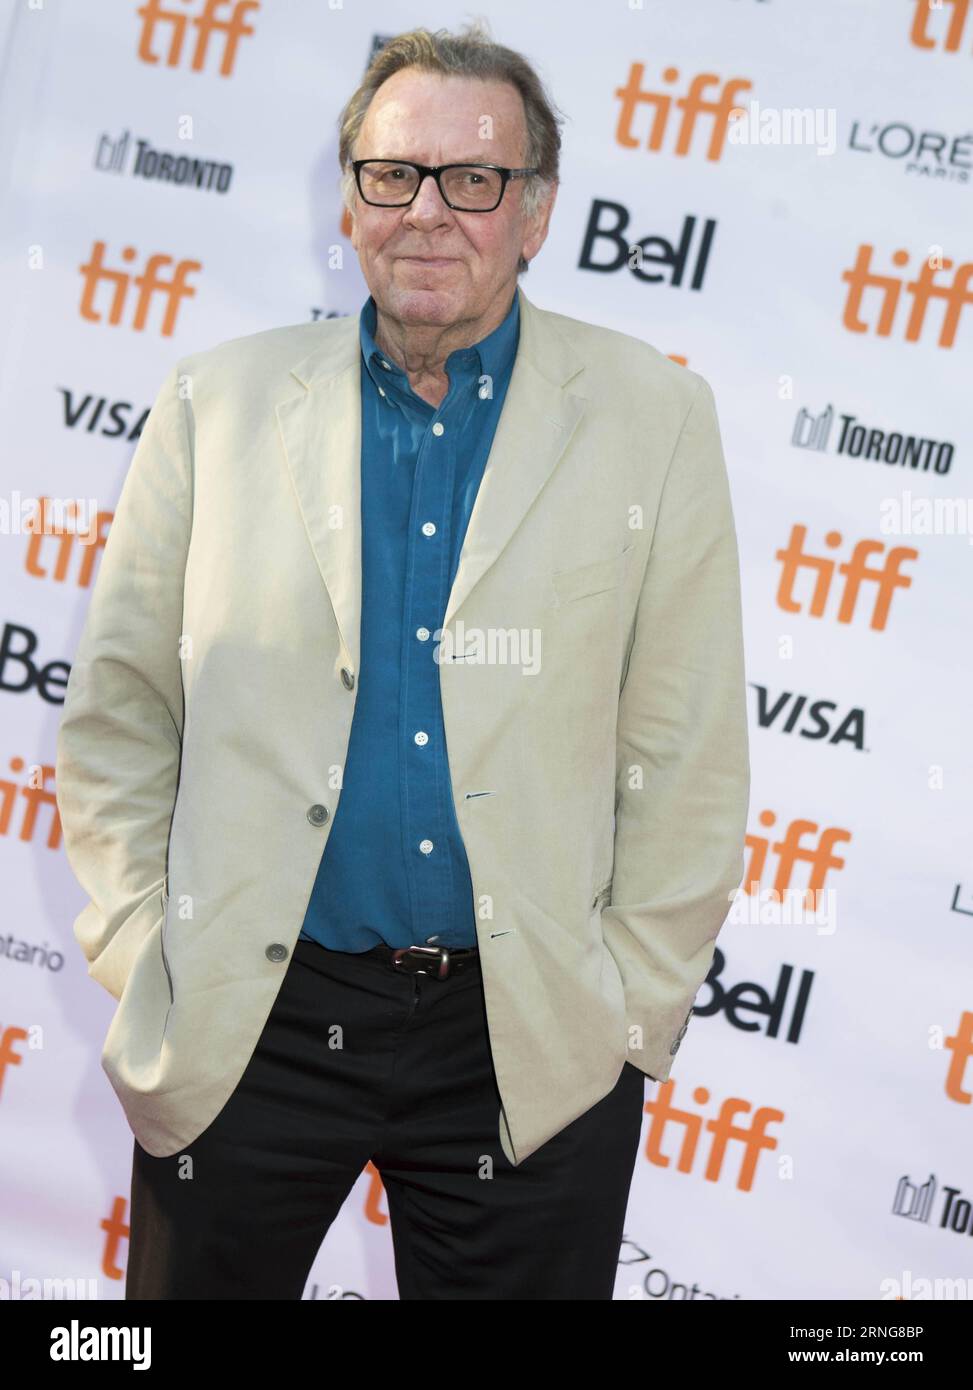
(596, 725)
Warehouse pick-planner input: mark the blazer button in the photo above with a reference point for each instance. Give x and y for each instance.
(276, 951)
(347, 679)
(680, 1035)
(317, 815)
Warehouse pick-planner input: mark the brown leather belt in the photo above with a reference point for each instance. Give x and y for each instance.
(439, 962)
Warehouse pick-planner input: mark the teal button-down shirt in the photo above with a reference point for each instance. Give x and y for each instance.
(394, 868)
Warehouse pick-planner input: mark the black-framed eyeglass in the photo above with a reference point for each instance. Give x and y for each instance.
(394, 183)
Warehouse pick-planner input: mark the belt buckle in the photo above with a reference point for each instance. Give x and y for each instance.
(441, 971)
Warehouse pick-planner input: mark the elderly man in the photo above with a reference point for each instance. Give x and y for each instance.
(404, 757)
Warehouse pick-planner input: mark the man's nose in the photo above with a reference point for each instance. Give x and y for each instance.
(428, 201)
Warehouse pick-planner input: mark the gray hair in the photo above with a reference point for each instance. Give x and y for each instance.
(470, 54)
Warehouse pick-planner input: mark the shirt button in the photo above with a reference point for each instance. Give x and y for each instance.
(317, 815)
(276, 951)
(431, 939)
(421, 738)
(426, 846)
(423, 634)
(428, 528)
(386, 365)
(347, 678)
(380, 391)
(438, 428)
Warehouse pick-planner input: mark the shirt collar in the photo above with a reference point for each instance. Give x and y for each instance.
(491, 356)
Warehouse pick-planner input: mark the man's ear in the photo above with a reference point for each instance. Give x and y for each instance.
(349, 226)
(537, 233)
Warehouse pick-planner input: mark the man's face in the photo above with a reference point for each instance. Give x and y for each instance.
(426, 264)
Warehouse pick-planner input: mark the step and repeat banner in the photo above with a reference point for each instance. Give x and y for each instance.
(777, 194)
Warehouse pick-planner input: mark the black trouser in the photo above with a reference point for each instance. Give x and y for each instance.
(355, 1062)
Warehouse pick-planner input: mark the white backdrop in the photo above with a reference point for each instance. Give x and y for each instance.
(814, 1138)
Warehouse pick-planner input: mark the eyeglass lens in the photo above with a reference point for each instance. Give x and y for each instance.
(465, 185)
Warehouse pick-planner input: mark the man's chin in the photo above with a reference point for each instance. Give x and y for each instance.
(424, 304)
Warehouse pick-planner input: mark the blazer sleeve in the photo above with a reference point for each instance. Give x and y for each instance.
(682, 772)
(120, 735)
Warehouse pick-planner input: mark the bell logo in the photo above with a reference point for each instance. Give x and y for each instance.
(955, 293)
(692, 105)
(856, 572)
(922, 22)
(149, 284)
(232, 28)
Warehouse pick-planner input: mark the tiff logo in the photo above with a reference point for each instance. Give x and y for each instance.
(791, 850)
(960, 1044)
(73, 547)
(724, 1129)
(958, 11)
(34, 795)
(856, 572)
(691, 106)
(150, 284)
(231, 28)
(955, 294)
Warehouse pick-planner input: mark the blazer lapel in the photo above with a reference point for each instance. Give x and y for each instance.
(321, 432)
(538, 419)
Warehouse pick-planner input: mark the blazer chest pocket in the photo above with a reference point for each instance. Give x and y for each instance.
(585, 580)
